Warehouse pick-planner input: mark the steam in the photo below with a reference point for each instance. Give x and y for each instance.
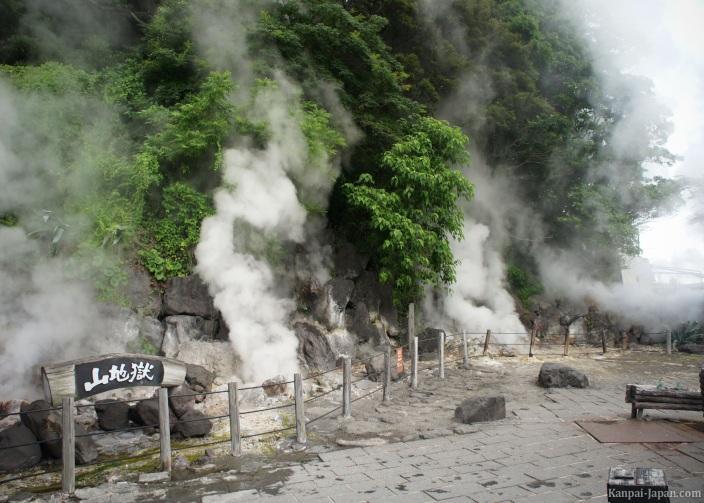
(47, 314)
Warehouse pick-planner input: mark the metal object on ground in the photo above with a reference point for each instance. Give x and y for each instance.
(635, 485)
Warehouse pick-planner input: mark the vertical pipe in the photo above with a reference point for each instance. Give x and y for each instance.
(486, 342)
(387, 374)
(567, 342)
(68, 440)
(441, 353)
(465, 354)
(603, 341)
(411, 325)
(235, 434)
(300, 413)
(347, 387)
(164, 430)
(414, 364)
(532, 340)
(669, 342)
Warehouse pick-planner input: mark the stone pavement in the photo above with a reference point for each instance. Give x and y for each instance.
(507, 461)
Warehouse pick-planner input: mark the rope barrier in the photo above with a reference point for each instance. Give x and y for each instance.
(199, 394)
(322, 394)
(291, 404)
(37, 442)
(199, 446)
(366, 395)
(183, 421)
(2, 416)
(115, 402)
(339, 407)
(29, 476)
(271, 432)
(321, 373)
(130, 428)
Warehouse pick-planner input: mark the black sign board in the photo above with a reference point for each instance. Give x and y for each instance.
(117, 372)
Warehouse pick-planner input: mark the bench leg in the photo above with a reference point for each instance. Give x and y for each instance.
(639, 413)
(634, 411)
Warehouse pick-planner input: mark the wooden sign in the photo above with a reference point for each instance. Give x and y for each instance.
(90, 376)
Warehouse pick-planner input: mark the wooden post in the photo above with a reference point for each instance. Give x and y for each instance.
(387, 374)
(411, 325)
(486, 342)
(164, 430)
(441, 353)
(624, 341)
(603, 341)
(68, 435)
(233, 400)
(465, 354)
(300, 413)
(567, 342)
(347, 387)
(414, 364)
(532, 339)
(669, 342)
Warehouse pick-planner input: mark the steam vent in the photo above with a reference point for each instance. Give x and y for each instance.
(351, 251)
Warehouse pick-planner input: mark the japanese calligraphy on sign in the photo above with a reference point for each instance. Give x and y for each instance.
(113, 373)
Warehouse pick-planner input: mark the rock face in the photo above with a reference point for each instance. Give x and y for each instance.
(690, 347)
(275, 386)
(375, 369)
(481, 408)
(190, 339)
(348, 263)
(112, 415)
(193, 424)
(359, 322)
(46, 426)
(10, 407)
(152, 330)
(18, 458)
(331, 302)
(555, 375)
(188, 295)
(200, 378)
(313, 345)
(142, 297)
(185, 327)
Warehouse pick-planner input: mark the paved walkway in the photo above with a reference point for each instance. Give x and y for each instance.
(541, 462)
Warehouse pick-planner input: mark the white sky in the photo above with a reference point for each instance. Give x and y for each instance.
(664, 41)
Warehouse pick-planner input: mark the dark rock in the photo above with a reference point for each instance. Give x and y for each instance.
(146, 413)
(18, 458)
(359, 323)
(275, 386)
(555, 375)
(375, 368)
(187, 327)
(188, 295)
(142, 297)
(481, 408)
(10, 407)
(46, 426)
(223, 333)
(348, 263)
(180, 404)
(331, 302)
(198, 376)
(367, 291)
(193, 424)
(313, 346)
(428, 340)
(112, 414)
(690, 347)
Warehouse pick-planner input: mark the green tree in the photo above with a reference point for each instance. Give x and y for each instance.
(410, 222)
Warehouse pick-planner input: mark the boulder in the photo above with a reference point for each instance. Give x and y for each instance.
(313, 345)
(10, 407)
(46, 426)
(112, 414)
(188, 295)
(18, 458)
(146, 413)
(331, 302)
(691, 347)
(190, 339)
(428, 340)
(275, 386)
(360, 323)
(141, 296)
(556, 375)
(193, 424)
(481, 408)
(223, 333)
(375, 368)
(187, 328)
(199, 377)
(179, 403)
(367, 291)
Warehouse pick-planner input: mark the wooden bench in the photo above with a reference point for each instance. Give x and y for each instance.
(642, 396)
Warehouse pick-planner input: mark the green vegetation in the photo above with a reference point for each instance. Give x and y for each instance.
(137, 126)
